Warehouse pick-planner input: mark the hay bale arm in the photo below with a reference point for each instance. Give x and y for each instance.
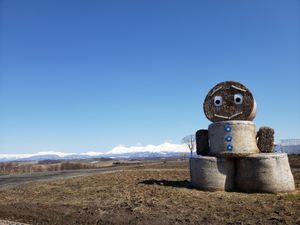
(265, 139)
(202, 144)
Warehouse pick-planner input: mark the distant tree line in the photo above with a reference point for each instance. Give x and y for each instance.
(17, 167)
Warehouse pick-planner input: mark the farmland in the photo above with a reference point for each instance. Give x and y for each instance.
(146, 193)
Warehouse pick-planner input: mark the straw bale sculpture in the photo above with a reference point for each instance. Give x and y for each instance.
(232, 154)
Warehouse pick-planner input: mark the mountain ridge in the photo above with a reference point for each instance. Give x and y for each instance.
(163, 150)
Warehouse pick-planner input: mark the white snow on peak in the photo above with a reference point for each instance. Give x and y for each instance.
(22, 156)
(165, 147)
(121, 149)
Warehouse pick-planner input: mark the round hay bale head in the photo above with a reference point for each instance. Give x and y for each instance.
(264, 172)
(234, 138)
(212, 174)
(229, 100)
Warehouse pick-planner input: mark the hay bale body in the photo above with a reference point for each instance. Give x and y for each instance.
(232, 138)
(265, 141)
(202, 143)
(264, 172)
(229, 110)
(212, 174)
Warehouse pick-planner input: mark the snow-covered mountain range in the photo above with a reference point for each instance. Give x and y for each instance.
(163, 150)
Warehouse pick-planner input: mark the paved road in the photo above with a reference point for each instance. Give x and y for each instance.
(7, 181)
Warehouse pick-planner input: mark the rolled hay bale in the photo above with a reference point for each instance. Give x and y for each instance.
(265, 139)
(264, 172)
(202, 144)
(229, 100)
(209, 173)
(234, 138)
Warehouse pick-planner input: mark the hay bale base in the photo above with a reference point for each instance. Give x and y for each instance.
(212, 174)
(264, 172)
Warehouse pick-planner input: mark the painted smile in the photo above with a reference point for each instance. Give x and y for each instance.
(228, 117)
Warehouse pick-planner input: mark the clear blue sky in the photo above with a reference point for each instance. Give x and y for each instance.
(81, 76)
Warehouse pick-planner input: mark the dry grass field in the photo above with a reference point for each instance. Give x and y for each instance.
(145, 195)
(59, 165)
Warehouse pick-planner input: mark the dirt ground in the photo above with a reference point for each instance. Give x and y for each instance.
(147, 195)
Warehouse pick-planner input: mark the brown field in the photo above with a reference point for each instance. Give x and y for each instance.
(146, 195)
(59, 165)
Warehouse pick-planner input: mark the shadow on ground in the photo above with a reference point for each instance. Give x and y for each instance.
(168, 183)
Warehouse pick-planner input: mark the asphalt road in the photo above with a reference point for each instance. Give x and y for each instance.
(7, 181)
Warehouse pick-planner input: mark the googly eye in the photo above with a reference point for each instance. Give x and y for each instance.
(238, 99)
(218, 100)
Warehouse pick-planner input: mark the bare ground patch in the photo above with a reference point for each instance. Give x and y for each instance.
(160, 194)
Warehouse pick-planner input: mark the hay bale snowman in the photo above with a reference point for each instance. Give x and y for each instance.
(232, 155)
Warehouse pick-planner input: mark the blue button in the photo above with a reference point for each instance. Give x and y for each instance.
(229, 147)
(228, 138)
(227, 128)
